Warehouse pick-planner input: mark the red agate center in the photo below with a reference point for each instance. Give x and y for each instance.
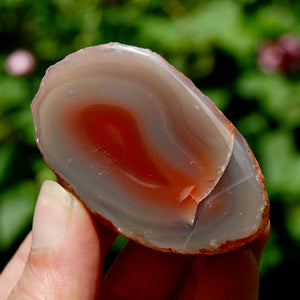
(111, 132)
(116, 133)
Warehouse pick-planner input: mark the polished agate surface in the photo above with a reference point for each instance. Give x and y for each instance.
(147, 152)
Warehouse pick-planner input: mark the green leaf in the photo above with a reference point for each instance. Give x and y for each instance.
(6, 155)
(274, 20)
(13, 92)
(21, 121)
(220, 97)
(292, 221)
(16, 210)
(252, 124)
(278, 96)
(280, 162)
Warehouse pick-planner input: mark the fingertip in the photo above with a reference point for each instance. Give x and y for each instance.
(51, 217)
(65, 256)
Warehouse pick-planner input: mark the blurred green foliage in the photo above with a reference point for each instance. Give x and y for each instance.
(215, 43)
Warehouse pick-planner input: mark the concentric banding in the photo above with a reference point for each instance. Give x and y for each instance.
(181, 128)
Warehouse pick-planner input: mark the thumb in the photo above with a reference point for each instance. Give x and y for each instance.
(64, 260)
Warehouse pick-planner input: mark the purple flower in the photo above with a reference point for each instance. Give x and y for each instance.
(281, 55)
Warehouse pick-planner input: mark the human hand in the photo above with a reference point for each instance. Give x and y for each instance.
(63, 259)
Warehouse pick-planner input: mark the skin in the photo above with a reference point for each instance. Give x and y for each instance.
(68, 264)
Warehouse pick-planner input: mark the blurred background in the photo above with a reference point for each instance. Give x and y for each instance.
(244, 54)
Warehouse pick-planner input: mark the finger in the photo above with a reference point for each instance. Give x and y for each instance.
(143, 273)
(233, 275)
(189, 283)
(226, 276)
(65, 254)
(12, 272)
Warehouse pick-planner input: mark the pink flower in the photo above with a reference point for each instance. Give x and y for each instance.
(20, 62)
(281, 55)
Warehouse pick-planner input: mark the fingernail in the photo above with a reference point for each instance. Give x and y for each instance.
(51, 216)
